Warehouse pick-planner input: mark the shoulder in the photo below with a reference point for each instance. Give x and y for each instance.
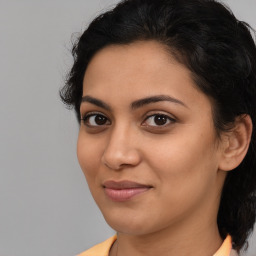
(101, 249)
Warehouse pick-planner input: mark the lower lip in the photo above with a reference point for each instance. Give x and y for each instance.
(121, 195)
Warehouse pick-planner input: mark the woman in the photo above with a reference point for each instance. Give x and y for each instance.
(165, 93)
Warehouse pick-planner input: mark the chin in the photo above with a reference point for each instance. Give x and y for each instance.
(131, 224)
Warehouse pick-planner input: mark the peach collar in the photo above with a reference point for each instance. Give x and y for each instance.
(225, 248)
(102, 249)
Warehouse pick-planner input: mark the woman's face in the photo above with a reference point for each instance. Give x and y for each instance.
(147, 143)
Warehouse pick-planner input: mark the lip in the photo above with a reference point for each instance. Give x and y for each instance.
(120, 191)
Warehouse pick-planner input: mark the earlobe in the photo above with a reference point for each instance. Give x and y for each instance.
(236, 143)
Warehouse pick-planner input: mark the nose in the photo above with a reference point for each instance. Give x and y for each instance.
(121, 150)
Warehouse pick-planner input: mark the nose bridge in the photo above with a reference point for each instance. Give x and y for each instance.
(120, 136)
(121, 148)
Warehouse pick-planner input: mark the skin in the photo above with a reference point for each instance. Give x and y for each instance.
(180, 160)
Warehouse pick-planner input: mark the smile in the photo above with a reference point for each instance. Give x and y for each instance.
(124, 190)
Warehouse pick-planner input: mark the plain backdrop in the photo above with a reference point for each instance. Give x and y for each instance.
(45, 206)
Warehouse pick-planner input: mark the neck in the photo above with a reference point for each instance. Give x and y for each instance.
(201, 241)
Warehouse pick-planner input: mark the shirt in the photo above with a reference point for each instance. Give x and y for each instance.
(103, 249)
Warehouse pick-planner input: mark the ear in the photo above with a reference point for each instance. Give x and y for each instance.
(235, 143)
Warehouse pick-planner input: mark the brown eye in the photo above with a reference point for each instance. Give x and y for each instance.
(158, 120)
(95, 120)
(100, 120)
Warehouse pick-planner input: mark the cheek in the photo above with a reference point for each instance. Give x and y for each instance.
(185, 164)
(186, 180)
(88, 154)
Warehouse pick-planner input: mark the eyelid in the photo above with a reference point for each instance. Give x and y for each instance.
(160, 112)
(91, 113)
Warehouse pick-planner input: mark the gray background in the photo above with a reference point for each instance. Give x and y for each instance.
(45, 205)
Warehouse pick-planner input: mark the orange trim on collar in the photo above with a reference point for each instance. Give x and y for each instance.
(225, 248)
(102, 249)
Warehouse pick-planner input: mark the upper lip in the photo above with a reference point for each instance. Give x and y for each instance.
(124, 184)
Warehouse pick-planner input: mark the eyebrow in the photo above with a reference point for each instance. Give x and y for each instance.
(145, 101)
(96, 102)
(136, 104)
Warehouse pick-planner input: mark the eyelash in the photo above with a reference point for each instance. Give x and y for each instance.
(169, 120)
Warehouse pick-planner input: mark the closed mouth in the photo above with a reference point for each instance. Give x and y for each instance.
(120, 191)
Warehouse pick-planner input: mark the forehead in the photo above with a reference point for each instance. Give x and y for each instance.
(138, 70)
